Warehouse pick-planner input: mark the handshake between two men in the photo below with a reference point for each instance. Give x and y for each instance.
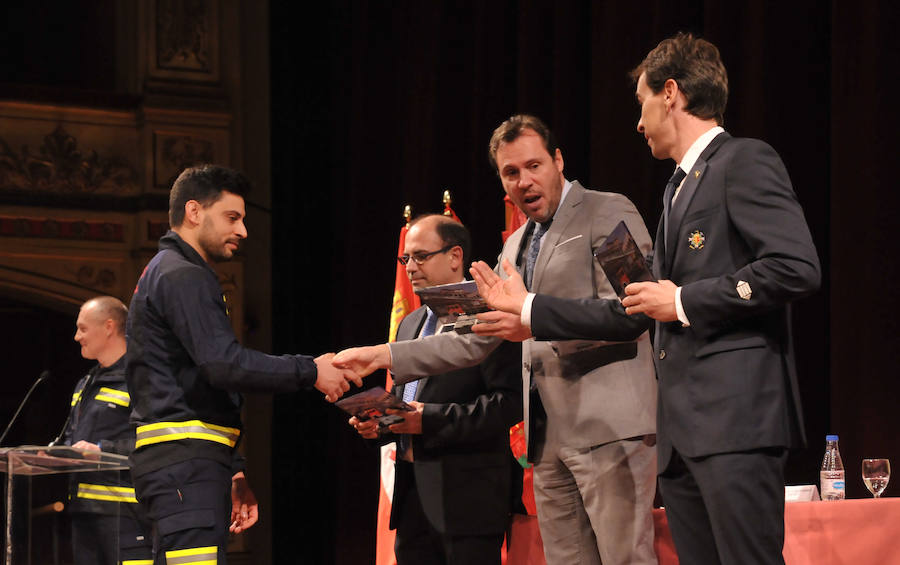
(506, 296)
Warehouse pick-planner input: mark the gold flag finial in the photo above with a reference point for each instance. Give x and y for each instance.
(447, 201)
(407, 214)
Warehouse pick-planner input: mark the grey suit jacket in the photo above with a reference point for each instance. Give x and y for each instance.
(593, 392)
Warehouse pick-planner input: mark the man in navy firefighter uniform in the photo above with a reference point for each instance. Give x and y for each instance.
(108, 524)
(186, 370)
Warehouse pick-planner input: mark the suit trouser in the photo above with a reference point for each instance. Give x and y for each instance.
(101, 539)
(595, 504)
(190, 506)
(418, 542)
(727, 508)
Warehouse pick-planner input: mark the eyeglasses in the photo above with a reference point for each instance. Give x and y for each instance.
(420, 258)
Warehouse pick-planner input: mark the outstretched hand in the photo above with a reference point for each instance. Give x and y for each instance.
(363, 361)
(332, 381)
(507, 295)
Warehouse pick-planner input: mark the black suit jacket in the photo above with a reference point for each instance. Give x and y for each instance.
(467, 479)
(740, 249)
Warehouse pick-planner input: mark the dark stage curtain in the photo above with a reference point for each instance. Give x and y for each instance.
(380, 104)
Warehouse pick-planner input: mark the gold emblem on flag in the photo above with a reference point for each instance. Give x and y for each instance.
(696, 240)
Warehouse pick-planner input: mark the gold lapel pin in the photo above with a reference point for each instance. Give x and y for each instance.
(697, 174)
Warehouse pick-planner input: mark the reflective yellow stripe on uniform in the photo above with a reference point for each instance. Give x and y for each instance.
(193, 556)
(106, 492)
(119, 397)
(138, 562)
(76, 396)
(192, 429)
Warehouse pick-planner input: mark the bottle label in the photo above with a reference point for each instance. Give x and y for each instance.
(832, 488)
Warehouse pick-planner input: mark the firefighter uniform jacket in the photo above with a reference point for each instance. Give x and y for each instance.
(185, 366)
(99, 414)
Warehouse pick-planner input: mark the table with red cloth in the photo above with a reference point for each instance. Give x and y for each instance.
(844, 532)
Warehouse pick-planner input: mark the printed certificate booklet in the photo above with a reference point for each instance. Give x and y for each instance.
(373, 403)
(454, 304)
(622, 260)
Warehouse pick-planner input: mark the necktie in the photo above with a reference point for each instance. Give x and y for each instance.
(409, 391)
(673, 183)
(533, 251)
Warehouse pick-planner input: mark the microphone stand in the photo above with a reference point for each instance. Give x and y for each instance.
(43, 376)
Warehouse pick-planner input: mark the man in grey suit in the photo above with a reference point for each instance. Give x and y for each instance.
(589, 405)
(732, 251)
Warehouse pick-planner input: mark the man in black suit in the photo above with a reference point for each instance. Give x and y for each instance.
(732, 251)
(455, 479)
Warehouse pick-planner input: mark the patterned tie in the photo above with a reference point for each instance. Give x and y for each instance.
(409, 391)
(533, 251)
(673, 183)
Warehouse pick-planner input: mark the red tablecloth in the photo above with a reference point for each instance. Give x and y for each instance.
(846, 532)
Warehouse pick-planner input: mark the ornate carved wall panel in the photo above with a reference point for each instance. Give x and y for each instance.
(74, 152)
(179, 139)
(183, 47)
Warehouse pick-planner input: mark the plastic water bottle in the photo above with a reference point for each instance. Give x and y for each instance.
(831, 476)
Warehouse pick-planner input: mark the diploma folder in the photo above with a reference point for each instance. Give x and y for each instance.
(454, 304)
(373, 403)
(621, 260)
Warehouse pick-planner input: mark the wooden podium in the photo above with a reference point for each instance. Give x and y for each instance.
(31, 460)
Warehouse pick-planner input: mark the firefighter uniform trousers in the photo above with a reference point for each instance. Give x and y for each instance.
(94, 540)
(190, 503)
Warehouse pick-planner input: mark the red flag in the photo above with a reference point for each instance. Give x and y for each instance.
(514, 218)
(405, 301)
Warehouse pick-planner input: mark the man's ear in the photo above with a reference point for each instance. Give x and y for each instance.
(558, 160)
(671, 89)
(109, 326)
(193, 211)
(457, 255)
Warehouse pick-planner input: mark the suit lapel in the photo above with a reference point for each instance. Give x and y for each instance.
(409, 329)
(660, 271)
(686, 195)
(561, 221)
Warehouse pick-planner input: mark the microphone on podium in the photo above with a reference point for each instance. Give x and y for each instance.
(42, 377)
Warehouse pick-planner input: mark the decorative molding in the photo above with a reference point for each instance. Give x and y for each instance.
(183, 35)
(175, 152)
(184, 46)
(61, 167)
(51, 228)
(93, 277)
(156, 230)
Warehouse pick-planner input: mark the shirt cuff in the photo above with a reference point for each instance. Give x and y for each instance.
(525, 316)
(679, 309)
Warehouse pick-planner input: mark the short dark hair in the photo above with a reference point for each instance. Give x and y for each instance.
(512, 128)
(451, 232)
(205, 184)
(110, 308)
(696, 66)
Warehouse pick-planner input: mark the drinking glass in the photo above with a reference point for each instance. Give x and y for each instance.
(876, 473)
